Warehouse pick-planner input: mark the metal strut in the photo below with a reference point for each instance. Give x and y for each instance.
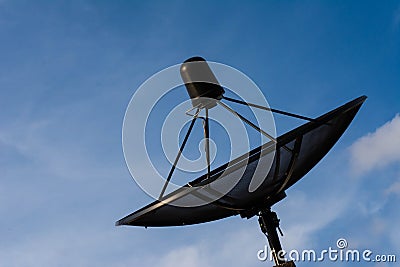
(247, 121)
(178, 156)
(207, 142)
(270, 109)
(269, 224)
(207, 148)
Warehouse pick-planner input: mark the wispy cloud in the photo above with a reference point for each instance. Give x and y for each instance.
(185, 256)
(228, 243)
(396, 18)
(307, 215)
(378, 149)
(393, 189)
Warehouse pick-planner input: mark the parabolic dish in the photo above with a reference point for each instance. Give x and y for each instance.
(297, 152)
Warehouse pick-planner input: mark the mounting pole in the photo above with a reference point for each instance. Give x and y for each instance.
(269, 224)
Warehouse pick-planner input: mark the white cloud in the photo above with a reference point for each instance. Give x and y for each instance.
(307, 215)
(62, 246)
(184, 256)
(394, 189)
(378, 149)
(231, 242)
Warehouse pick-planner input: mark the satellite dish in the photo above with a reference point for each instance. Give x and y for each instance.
(295, 154)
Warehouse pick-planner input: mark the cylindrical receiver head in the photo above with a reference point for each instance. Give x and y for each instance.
(200, 82)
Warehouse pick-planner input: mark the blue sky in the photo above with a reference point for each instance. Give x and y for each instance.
(69, 68)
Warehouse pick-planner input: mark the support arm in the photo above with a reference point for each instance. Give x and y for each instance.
(177, 157)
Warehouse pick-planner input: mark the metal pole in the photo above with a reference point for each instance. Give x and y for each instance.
(207, 142)
(269, 223)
